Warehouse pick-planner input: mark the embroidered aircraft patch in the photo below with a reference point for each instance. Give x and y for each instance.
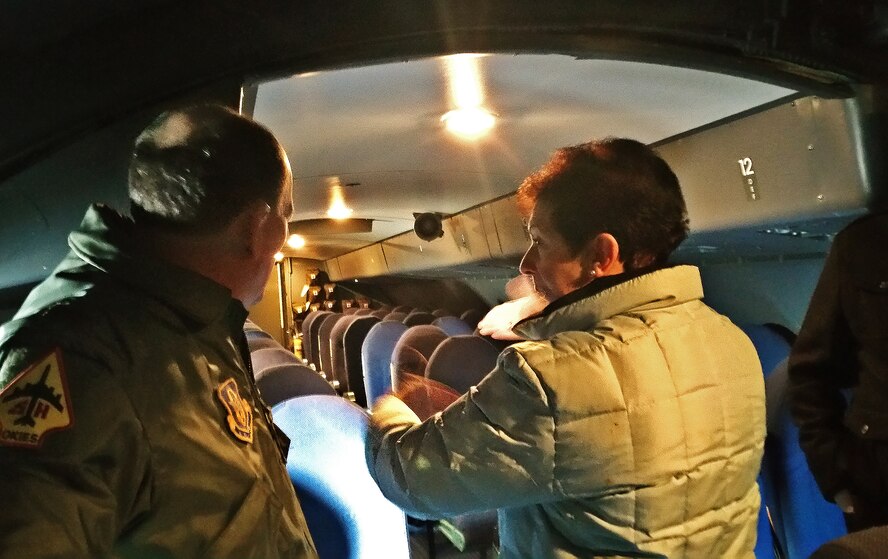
(35, 403)
(240, 413)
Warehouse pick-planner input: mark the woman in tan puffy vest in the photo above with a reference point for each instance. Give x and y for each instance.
(630, 420)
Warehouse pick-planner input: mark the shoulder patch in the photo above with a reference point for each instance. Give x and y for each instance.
(240, 413)
(35, 403)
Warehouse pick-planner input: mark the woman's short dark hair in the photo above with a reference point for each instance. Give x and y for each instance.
(615, 186)
(196, 168)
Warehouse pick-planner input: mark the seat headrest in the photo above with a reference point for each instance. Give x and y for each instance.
(282, 382)
(462, 361)
(268, 357)
(452, 326)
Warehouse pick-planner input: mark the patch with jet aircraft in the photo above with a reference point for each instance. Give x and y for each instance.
(35, 403)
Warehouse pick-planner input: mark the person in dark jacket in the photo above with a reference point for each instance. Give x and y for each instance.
(130, 424)
(843, 344)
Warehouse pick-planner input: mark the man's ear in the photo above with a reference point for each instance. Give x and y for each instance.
(602, 256)
(247, 230)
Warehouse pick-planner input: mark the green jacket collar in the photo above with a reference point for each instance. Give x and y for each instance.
(651, 290)
(105, 240)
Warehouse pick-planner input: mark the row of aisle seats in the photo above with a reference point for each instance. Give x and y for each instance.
(368, 356)
(279, 374)
(347, 515)
(334, 343)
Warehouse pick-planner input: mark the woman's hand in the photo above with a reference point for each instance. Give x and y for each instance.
(499, 321)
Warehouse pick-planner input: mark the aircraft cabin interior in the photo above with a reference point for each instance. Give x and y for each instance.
(409, 127)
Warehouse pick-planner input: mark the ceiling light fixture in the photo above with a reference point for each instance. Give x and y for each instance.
(296, 241)
(278, 256)
(469, 120)
(468, 123)
(338, 209)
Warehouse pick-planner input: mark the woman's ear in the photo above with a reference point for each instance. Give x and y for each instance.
(602, 255)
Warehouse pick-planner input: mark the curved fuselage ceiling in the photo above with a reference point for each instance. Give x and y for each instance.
(611, 68)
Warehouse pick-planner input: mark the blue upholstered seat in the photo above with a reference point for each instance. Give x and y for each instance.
(255, 343)
(310, 327)
(347, 515)
(352, 344)
(337, 351)
(413, 350)
(453, 326)
(376, 357)
(802, 518)
(462, 361)
(325, 354)
(290, 380)
(269, 357)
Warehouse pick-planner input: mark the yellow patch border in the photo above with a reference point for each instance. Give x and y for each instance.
(69, 410)
(240, 422)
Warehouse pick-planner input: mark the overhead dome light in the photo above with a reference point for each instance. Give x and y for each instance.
(296, 241)
(278, 256)
(469, 119)
(339, 211)
(469, 123)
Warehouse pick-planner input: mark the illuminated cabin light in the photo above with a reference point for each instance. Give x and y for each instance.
(465, 80)
(338, 208)
(340, 212)
(469, 120)
(296, 241)
(468, 123)
(278, 256)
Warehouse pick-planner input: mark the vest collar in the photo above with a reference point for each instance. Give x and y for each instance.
(603, 298)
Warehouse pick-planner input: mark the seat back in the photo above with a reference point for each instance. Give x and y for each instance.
(376, 358)
(395, 316)
(271, 356)
(461, 362)
(452, 326)
(347, 515)
(472, 317)
(325, 356)
(255, 343)
(290, 380)
(413, 350)
(354, 367)
(802, 518)
(310, 327)
(419, 317)
(337, 351)
(250, 326)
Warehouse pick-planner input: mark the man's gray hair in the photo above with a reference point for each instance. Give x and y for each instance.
(195, 169)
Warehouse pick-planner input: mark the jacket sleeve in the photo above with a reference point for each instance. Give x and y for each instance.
(492, 448)
(820, 365)
(73, 494)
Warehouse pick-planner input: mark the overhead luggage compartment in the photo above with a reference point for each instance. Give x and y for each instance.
(797, 161)
(797, 168)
